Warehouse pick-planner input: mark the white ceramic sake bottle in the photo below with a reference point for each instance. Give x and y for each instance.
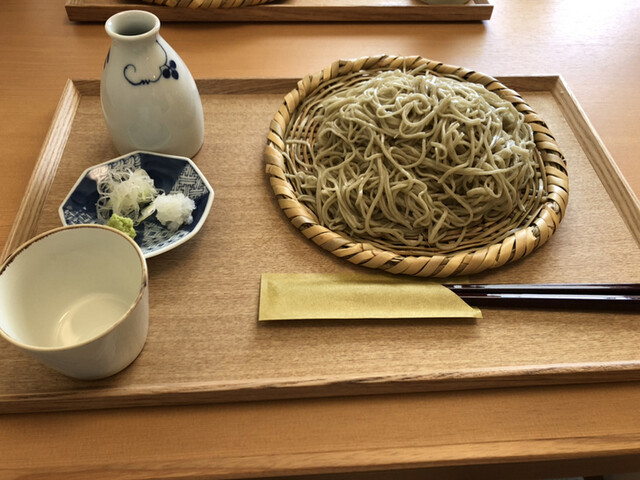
(149, 98)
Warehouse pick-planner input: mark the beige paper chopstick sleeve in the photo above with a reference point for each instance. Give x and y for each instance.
(356, 296)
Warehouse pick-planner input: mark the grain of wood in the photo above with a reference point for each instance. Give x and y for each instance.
(287, 11)
(45, 170)
(205, 344)
(386, 433)
(540, 432)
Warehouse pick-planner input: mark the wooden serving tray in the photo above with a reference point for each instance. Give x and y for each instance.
(292, 11)
(205, 343)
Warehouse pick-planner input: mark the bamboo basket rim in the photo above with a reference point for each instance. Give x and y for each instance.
(206, 4)
(537, 230)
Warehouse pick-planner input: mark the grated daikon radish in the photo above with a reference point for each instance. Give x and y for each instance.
(174, 210)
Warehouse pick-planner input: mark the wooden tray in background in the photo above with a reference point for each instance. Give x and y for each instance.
(292, 11)
(205, 343)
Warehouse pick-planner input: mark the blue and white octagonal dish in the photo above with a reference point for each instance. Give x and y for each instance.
(170, 174)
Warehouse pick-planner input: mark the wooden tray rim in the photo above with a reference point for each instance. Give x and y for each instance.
(44, 173)
(475, 11)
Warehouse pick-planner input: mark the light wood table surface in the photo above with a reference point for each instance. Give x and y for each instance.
(500, 433)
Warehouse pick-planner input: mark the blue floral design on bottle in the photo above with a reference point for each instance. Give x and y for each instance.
(169, 69)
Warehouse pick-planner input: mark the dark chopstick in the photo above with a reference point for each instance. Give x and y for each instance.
(581, 296)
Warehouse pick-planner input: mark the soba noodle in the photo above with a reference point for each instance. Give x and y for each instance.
(412, 159)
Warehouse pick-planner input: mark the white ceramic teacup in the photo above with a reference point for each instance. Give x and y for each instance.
(76, 298)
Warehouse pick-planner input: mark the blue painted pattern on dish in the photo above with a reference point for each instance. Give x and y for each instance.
(170, 174)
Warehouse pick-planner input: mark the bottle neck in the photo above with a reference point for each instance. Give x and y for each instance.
(133, 27)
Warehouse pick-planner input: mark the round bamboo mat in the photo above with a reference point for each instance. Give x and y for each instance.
(207, 3)
(545, 209)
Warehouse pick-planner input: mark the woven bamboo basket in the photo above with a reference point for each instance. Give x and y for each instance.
(545, 208)
(207, 3)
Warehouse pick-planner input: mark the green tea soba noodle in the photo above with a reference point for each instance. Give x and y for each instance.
(414, 161)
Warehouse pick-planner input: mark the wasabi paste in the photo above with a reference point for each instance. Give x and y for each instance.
(123, 224)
